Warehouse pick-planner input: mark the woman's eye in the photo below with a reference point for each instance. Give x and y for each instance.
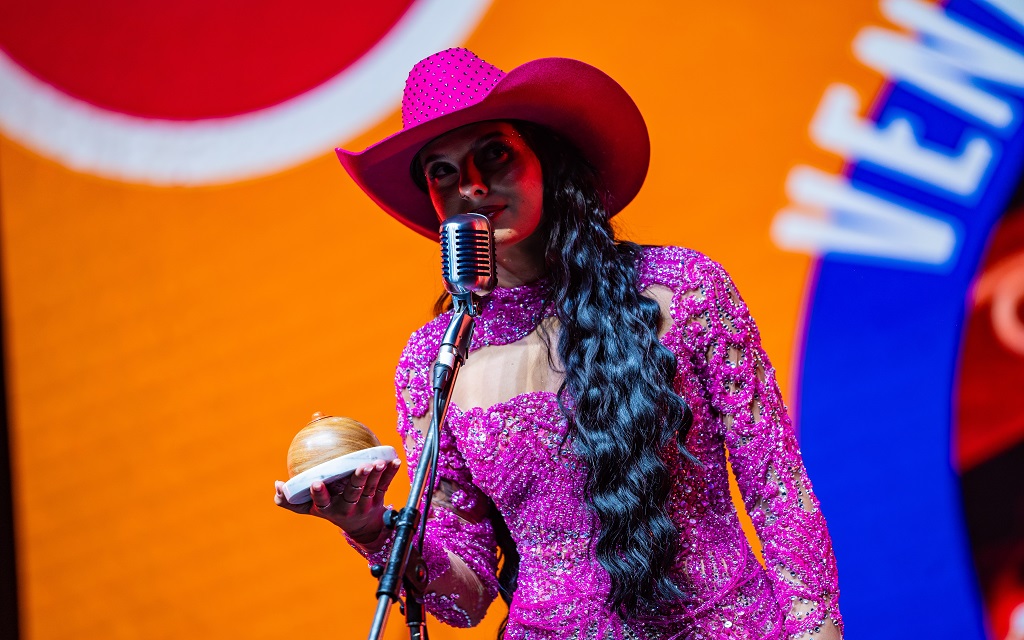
(439, 171)
(495, 152)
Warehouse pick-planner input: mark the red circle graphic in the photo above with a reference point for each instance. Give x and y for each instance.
(191, 59)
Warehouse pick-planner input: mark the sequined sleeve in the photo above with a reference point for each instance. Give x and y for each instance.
(749, 414)
(458, 524)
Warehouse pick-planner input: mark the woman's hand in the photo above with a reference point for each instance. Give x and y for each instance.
(355, 503)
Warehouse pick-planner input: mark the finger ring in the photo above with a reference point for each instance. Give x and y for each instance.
(380, 491)
(326, 506)
(358, 486)
(349, 501)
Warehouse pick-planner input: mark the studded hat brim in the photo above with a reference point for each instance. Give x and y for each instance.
(570, 97)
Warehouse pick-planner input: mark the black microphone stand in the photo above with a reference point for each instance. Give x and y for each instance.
(405, 560)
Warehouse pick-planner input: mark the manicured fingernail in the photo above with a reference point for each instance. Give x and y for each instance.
(381, 465)
(317, 486)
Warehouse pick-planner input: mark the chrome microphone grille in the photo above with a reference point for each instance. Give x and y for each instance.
(467, 255)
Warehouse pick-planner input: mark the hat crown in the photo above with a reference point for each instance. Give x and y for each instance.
(446, 82)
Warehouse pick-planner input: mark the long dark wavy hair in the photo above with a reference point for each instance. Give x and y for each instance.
(623, 412)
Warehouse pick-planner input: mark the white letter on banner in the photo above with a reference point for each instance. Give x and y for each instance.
(858, 223)
(837, 127)
(945, 64)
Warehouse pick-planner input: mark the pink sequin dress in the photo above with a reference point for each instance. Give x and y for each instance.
(512, 453)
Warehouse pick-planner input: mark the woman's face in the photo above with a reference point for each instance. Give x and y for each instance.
(486, 168)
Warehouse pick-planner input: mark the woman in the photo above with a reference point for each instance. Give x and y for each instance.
(588, 429)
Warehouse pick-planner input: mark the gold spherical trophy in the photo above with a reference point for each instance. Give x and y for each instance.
(329, 448)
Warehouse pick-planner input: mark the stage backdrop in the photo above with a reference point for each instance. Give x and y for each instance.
(188, 274)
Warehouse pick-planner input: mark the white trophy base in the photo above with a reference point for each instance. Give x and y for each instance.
(296, 490)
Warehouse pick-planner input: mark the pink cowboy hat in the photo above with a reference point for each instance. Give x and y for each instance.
(453, 88)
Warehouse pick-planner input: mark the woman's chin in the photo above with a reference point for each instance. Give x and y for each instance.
(504, 238)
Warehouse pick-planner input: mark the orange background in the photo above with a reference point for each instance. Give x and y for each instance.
(164, 345)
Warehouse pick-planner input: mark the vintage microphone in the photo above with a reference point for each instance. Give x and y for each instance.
(467, 256)
(469, 272)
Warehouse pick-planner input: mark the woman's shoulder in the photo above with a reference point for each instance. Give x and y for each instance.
(678, 268)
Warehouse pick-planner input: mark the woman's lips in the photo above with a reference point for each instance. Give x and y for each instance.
(490, 211)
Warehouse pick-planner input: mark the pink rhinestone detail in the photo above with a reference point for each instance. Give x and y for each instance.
(446, 82)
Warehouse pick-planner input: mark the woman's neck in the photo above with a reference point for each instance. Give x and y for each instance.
(521, 263)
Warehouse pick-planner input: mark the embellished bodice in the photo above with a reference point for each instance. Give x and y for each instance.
(516, 455)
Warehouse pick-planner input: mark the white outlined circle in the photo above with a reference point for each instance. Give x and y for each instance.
(114, 145)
